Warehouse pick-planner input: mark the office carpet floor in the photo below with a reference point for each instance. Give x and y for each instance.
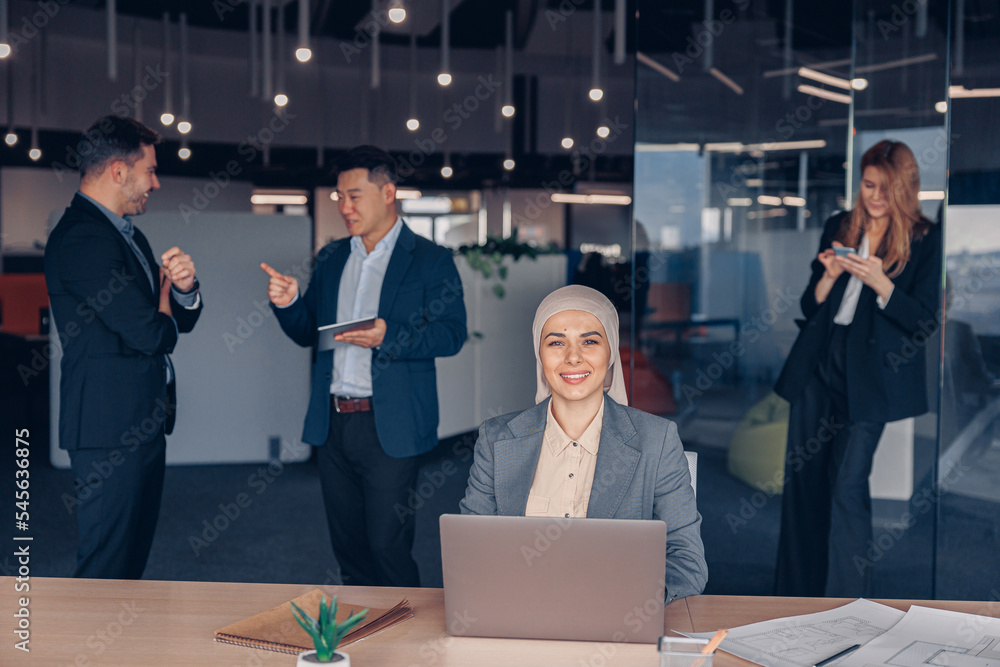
(279, 533)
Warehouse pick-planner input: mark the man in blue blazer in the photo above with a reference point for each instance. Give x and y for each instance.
(373, 406)
(118, 315)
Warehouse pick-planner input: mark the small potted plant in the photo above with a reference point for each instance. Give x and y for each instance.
(326, 633)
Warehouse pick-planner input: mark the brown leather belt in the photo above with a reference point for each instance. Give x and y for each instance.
(346, 404)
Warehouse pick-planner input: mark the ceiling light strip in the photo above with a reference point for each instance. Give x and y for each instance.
(732, 85)
(962, 91)
(566, 198)
(827, 64)
(279, 200)
(825, 94)
(892, 64)
(824, 78)
(654, 65)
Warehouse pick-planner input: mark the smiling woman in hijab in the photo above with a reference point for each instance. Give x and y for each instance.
(581, 451)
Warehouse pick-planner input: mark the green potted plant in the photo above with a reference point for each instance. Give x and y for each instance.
(326, 633)
(487, 258)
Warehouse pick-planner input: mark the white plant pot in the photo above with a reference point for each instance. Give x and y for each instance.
(308, 659)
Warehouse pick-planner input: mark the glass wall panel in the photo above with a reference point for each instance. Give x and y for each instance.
(968, 537)
(751, 119)
(901, 53)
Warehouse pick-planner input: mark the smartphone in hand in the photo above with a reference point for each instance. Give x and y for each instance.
(842, 251)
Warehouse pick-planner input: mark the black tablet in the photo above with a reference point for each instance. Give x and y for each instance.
(326, 333)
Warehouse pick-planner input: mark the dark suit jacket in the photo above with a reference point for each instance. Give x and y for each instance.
(885, 347)
(422, 304)
(113, 390)
(641, 473)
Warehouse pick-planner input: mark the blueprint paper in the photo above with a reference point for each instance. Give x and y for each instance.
(934, 637)
(805, 640)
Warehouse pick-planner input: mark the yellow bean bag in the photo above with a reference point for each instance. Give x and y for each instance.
(757, 452)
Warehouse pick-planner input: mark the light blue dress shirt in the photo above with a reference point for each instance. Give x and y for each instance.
(188, 300)
(358, 297)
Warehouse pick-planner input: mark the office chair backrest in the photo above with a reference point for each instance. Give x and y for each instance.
(692, 458)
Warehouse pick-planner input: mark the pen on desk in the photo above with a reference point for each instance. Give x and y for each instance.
(716, 640)
(849, 649)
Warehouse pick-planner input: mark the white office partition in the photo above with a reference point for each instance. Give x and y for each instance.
(243, 386)
(495, 374)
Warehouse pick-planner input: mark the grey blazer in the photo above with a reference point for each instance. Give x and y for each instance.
(641, 473)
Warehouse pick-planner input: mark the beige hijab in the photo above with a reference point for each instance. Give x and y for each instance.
(578, 297)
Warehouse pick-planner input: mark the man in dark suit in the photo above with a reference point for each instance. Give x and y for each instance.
(374, 405)
(118, 314)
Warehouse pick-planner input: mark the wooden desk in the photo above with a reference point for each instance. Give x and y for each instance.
(89, 622)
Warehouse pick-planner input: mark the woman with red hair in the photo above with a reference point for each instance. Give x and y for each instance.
(872, 301)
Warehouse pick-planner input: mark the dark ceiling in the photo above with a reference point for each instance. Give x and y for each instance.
(667, 26)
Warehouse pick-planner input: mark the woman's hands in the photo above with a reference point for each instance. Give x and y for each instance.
(868, 270)
(828, 258)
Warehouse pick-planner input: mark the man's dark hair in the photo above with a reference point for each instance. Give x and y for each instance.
(113, 138)
(380, 165)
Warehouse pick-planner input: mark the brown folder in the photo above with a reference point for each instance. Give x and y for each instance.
(277, 630)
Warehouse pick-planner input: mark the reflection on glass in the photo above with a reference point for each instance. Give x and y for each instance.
(751, 120)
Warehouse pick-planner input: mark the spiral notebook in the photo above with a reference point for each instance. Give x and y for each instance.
(277, 630)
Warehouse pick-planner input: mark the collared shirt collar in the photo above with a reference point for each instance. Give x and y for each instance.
(557, 440)
(387, 243)
(123, 225)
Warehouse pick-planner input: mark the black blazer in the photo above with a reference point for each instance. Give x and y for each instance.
(885, 347)
(113, 390)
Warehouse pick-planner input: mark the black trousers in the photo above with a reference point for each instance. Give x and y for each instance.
(826, 514)
(118, 498)
(366, 492)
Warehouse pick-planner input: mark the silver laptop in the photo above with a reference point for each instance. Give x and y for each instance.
(542, 578)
